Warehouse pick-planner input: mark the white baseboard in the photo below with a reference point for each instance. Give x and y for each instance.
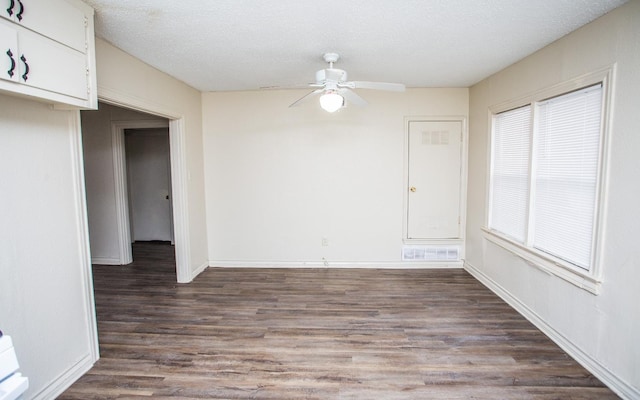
(336, 264)
(620, 387)
(66, 379)
(199, 270)
(105, 261)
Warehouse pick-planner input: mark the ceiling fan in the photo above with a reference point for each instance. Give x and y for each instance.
(335, 90)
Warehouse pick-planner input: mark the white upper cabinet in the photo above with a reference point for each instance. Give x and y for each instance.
(52, 66)
(48, 51)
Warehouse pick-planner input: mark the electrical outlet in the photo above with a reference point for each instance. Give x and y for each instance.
(325, 241)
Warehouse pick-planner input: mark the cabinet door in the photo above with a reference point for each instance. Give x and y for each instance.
(55, 19)
(8, 53)
(51, 66)
(7, 9)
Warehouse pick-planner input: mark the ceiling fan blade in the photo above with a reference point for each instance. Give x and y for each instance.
(305, 98)
(392, 87)
(296, 86)
(352, 98)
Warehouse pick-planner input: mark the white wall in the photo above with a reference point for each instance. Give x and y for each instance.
(99, 174)
(126, 81)
(46, 295)
(280, 179)
(602, 330)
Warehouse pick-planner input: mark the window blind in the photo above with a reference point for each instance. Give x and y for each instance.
(566, 156)
(510, 172)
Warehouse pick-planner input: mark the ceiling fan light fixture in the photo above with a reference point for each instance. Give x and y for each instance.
(331, 101)
(335, 90)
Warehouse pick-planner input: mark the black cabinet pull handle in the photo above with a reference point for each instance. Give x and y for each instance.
(13, 63)
(21, 11)
(26, 67)
(10, 9)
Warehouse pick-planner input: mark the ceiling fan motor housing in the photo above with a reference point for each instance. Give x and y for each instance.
(331, 75)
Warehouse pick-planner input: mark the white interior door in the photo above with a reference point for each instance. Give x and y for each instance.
(434, 185)
(149, 184)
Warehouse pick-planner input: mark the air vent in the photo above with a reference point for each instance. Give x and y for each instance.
(435, 137)
(430, 253)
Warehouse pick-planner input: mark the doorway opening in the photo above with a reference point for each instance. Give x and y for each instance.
(148, 168)
(135, 184)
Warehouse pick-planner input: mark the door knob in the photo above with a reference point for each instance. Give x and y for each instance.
(412, 188)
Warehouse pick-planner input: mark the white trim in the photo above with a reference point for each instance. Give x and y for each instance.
(121, 197)
(619, 386)
(337, 264)
(179, 172)
(545, 262)
(66, 379)
(180, 202)
(120, 181)
(105, 261)
(92, 65)
(72, 374)
(125, 100)
(197, 271)
(603, 175)
(605, 74)
(75, 128)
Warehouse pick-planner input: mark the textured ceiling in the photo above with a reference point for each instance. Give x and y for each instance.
(221, 45)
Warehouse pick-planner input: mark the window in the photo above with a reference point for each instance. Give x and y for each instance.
(545, 180)
(510, 172)
(567, 149)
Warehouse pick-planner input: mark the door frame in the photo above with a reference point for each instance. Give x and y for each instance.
(179, 175)
(463, 179)
(123, 221)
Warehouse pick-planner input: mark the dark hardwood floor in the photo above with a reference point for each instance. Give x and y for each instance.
(316, 334)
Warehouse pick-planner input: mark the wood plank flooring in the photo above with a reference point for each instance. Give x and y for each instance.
(316, 334)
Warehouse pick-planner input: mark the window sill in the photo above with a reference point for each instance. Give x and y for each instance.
(539, 260)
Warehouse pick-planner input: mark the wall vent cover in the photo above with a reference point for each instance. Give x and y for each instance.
(430, 253)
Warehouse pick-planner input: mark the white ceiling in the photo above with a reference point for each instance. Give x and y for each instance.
(221, 45)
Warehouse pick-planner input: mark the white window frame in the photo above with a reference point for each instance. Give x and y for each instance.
(589, 280)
